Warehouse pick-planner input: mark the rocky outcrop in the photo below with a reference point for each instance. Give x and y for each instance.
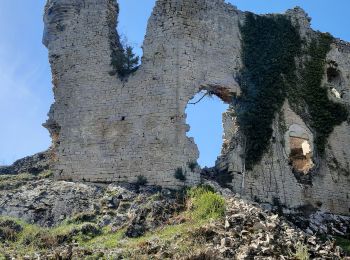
(34, 164)
(159, 218)
(47, 203)
(251, 233)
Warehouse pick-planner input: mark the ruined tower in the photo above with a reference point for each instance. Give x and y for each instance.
(107, 129)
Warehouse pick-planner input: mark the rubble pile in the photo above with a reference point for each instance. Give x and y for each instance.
(148, 222)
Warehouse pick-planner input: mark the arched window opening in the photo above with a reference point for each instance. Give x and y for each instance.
(204, 116)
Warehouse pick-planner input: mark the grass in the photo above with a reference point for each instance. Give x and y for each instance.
(302, 252)
(33, 238)
(107, 240)
(203, 205)
(344, 244)
(23, 242)
(166, 234)
(163, 233)
(14, 181)
(8, 182)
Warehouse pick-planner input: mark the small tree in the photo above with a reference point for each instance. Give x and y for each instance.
(125, 61)
(131, 60)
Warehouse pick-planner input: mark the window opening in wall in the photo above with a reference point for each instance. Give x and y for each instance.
(300, 154)
(204, 116)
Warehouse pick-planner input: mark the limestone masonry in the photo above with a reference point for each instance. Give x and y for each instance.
(105, 129)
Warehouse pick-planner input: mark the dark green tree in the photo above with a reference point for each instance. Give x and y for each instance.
(124, 61)
(131, 60)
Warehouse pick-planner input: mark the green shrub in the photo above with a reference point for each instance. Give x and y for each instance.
(44, 238)
(302, 252)
(205, 203)
(192, 165)
(9, 229)
(344, 244)
(180, 174)
(198, 191)
(141, 181)
(37, 237)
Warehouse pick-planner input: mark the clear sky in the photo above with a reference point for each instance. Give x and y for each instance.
(25, 80)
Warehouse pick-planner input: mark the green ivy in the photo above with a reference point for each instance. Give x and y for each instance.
(321, 113)
(270, 45)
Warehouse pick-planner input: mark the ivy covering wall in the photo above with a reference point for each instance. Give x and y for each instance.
(270, 48)
(270, 45)
(320, 112)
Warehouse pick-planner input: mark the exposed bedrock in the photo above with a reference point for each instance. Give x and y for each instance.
(34, 165)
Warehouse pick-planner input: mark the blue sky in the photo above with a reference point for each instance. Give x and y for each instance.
(25, 80)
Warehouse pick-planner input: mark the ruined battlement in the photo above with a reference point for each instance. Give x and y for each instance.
(105, 129)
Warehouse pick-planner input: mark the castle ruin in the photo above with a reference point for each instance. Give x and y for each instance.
(106, 129)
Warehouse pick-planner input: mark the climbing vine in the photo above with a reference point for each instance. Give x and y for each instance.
(271, 45)
(320, 112)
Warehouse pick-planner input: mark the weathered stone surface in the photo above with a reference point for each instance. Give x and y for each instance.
(46, 202)
(247, 231)
(105, 129)
(322, 183)
(34, 164)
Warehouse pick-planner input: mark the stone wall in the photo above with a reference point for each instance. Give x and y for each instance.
(325, 188)
(105, 129)
(273, 180)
